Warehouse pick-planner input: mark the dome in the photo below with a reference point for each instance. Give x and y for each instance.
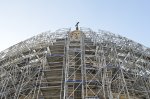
(79, 64)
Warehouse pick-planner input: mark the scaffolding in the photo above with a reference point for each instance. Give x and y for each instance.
(79, 64)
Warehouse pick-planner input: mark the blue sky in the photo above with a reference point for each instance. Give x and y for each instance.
(22, 19)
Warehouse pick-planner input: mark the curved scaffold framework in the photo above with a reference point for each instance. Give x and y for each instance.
(79, 64)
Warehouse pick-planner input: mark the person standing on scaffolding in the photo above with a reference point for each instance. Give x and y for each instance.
(77, 28)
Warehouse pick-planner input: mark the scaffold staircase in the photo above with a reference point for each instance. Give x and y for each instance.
(53, 71)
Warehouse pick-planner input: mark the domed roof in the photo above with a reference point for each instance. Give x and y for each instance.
(47, 38)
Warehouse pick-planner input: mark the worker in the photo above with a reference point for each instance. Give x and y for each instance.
(77, 26)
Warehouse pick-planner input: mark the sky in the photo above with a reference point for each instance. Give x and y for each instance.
(22, 19)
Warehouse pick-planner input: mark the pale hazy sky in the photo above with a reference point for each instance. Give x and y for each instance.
(22, 19)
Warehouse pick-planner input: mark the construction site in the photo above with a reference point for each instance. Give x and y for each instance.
(75, 64)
